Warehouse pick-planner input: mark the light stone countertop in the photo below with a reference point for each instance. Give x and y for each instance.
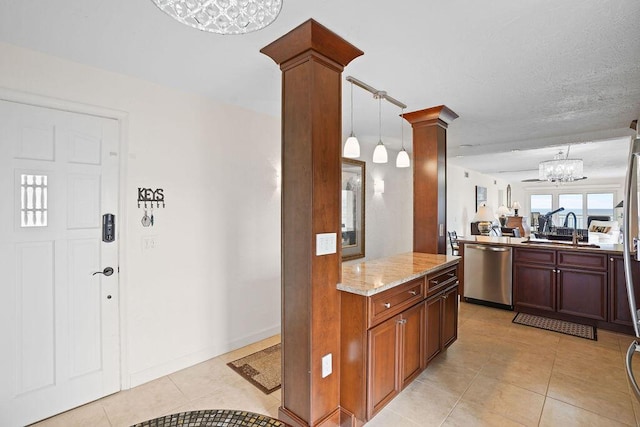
(371, 277)
(526, 242)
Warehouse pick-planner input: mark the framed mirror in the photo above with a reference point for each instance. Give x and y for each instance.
(353, 192)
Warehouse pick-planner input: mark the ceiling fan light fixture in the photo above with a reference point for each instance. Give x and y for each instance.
(222, 16)
(561, 169)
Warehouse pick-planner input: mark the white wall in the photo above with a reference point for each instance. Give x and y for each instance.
(461, 196)
(388, 216)
(213, 281)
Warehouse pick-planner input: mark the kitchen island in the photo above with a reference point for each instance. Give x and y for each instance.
(397, 313)
(581, 283)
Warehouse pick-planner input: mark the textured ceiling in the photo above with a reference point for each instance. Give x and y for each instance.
(521, 75)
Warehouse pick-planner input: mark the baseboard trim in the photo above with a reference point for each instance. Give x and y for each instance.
(169, 367)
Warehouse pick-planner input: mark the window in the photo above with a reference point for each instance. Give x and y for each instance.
(600, 204)
(33, 200)
(582, 204)
(540, 205)
(570, 203)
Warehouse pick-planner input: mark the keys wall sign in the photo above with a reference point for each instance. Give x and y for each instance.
(147, 197)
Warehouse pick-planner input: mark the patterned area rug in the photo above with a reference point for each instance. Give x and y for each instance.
(213, 418)
(569, 328)
(262, 369)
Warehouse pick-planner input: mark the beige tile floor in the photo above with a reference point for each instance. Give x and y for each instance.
(496, 374)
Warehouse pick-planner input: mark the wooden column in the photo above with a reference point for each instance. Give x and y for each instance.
(311, 58)
(429, 178)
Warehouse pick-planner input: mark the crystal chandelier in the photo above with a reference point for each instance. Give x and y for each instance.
(560, 169)
(222, 16)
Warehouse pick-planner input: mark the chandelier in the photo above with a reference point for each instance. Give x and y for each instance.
(560, 169)
(222, 16)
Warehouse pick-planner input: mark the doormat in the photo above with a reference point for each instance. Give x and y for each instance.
(262, 368)
(213, 417)
(568, 328)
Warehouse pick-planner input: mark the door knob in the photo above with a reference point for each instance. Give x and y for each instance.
(108, 271)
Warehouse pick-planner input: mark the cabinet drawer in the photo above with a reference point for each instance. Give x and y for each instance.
(440, 280)
(582, 260)
(391, 302)
(537, 256)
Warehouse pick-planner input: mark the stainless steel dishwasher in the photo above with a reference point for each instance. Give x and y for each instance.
(487, 275)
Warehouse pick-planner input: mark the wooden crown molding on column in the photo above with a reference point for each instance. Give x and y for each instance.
(429, 177)
(440, 115)
(311, 58)
(311, 36)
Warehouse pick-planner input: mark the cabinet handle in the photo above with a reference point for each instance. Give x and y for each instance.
(387, 305)
(435, 282)
(611, 259)
(414, 293)
(444, 296)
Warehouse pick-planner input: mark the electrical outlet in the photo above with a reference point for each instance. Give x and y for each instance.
(326, 365)
(149, 243)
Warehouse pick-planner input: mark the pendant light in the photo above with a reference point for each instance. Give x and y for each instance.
(402, 161)
(380, 153)
(351, 146)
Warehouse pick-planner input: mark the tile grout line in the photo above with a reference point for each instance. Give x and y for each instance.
(461, 396)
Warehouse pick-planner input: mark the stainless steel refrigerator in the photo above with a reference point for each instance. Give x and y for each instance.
(630, 221)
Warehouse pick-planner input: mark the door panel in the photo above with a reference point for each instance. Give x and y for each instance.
(534, 286)
(34, 306)
(450, 317)
(83, 201)
(434, 327)
(413, 360)
(583, 293)
(84, 307)
(59, 329)
(383, 364)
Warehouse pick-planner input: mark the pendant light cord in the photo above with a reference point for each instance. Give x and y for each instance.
(380, 117)
(351, 109)
(402, 126)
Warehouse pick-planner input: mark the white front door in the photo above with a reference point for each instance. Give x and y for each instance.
(59, 330)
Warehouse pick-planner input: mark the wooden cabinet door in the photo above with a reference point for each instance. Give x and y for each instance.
(383, 372)
(449, 317)
(618, 300)
(534, 286)
(434, 309)
(412, 358)
(583, 293)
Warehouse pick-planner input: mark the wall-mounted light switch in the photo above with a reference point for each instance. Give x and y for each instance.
(326, 243)
(326, 365)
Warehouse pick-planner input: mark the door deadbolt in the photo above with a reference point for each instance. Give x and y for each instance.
(108, 271)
